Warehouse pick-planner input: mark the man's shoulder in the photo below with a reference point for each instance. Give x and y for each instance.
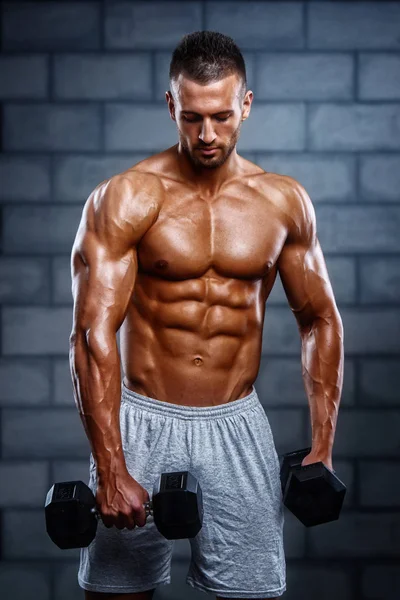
(287, 189)
(292, 200)
(138, 186)
(125, 204)
(285, 184)
(156, 166)
(141, 178)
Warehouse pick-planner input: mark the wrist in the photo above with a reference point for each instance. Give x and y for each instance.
(112, 469)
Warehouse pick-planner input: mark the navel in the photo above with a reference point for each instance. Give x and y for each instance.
(198, 361)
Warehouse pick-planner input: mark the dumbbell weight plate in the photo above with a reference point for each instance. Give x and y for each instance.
(178, 505)
(70, 522)
(313, 493)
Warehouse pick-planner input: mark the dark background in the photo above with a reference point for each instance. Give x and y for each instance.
(82, 89)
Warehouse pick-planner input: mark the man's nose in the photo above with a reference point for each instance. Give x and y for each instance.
(207, 134)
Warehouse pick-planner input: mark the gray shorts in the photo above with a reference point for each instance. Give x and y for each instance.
(229, 448)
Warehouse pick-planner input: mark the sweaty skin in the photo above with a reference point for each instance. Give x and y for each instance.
(184, 272)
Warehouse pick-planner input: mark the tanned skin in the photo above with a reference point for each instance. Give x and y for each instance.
(180, 252)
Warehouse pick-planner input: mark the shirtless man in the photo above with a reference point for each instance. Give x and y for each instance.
(181, 252)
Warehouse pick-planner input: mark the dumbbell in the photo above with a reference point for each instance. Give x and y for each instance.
(313, 493)
(177, 507)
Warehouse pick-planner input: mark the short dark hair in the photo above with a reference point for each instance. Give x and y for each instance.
(207, 56)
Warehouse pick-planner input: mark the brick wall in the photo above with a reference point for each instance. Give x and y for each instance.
(82, 90)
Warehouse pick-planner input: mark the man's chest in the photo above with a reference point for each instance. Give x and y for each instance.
(238, 237)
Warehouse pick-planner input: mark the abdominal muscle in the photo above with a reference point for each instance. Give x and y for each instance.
(188, 350)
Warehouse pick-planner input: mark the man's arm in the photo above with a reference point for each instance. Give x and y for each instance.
(308, 289)
(104, 268)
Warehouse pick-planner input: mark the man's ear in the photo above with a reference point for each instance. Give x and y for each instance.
(171, 105)
(248, 99)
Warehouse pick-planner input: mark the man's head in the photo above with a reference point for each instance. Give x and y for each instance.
(208, 96)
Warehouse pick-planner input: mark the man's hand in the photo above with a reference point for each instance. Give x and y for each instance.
(120, 501)
(313, 457)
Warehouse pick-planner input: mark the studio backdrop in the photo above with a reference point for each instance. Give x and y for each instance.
(82, 91)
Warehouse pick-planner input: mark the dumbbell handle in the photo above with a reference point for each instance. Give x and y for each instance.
(148, 506)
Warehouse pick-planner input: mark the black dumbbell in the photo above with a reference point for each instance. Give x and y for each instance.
(176, 505)
(313, 493)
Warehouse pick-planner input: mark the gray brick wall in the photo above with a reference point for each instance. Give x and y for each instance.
(82, 88)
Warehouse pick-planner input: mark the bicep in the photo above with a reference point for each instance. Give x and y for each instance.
(103, 264)
(306, 281)
(101, 285)
(302, 267)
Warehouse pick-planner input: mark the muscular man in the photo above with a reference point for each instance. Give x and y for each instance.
(180, 252)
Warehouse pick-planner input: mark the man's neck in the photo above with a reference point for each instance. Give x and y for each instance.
(208, 181)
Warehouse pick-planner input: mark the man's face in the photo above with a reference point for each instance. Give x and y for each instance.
(208, 116)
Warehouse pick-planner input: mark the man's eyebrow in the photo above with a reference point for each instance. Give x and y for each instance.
(221, 112)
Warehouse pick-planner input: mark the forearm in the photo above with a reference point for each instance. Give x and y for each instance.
(322, 368)
(96, 379)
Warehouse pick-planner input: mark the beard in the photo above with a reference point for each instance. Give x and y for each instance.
(212, 162)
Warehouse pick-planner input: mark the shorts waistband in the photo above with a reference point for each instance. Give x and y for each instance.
(189, 412)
